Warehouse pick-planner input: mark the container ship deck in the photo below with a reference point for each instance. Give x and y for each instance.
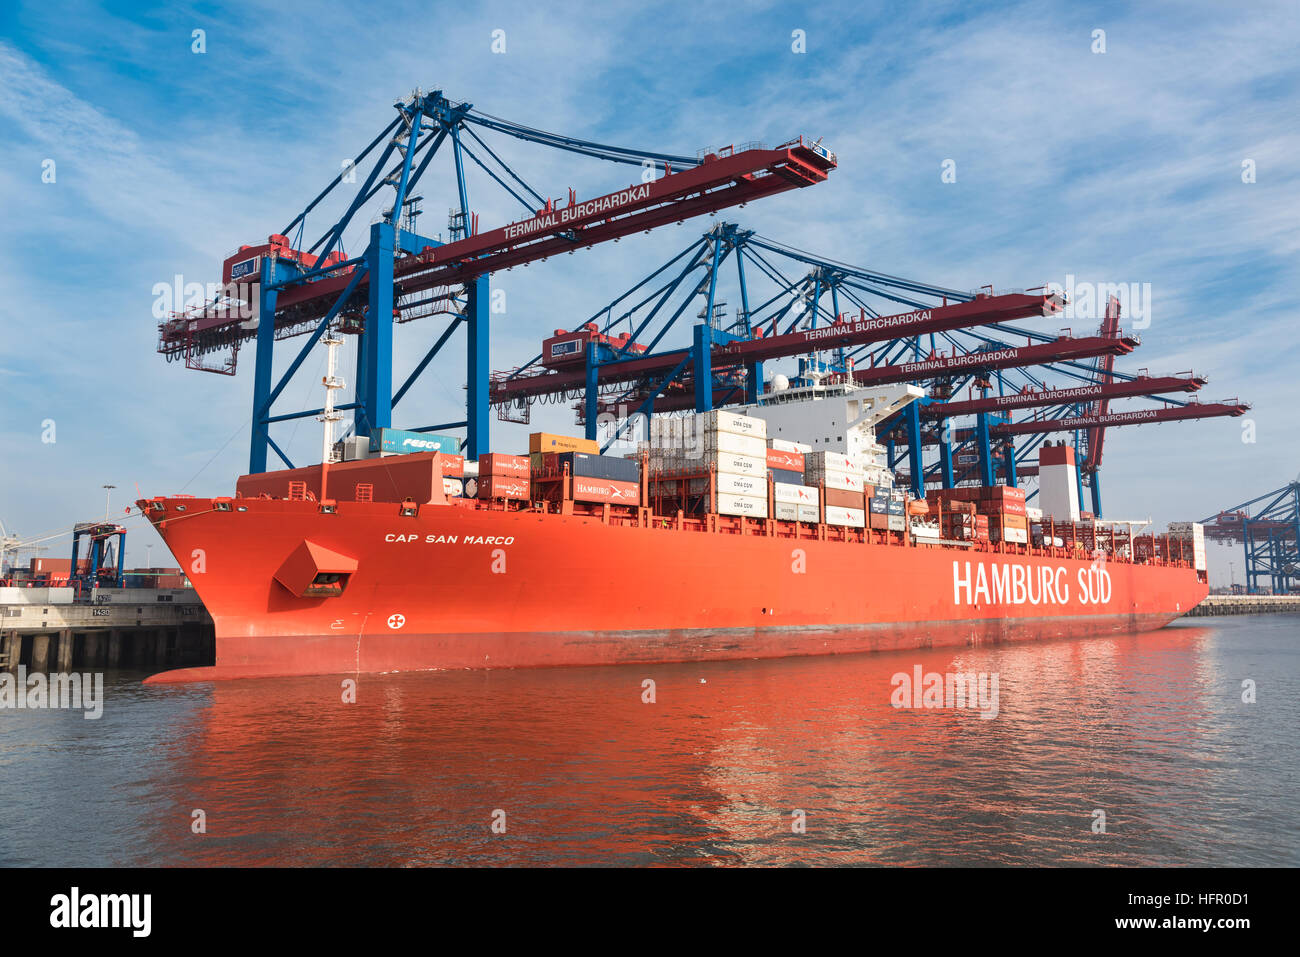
(372, 566)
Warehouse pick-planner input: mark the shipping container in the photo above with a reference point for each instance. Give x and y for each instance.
(843, 498)
(850, 517)
(801, 494)
(600, 466)
(586, 489)
(549, 442)
(750, 506)
(719, 421)
(897, 523)
(784, 459)
(501, 486)
(850, 481)
(782, 476)
(665, 461)
(495, 463)
(831, 462)
(730, 484)
(453, 466)
(733, 443)
(399, 441)
(784, 445)
(810, 513)
(786, 511)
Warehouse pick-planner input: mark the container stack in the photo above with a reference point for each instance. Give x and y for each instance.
(844, 482)
(1002, 505)
(501, 477)
(540, 443)
(793, 501)
(602, 478)
(594, 478)
(1192, 537)
(732, 446)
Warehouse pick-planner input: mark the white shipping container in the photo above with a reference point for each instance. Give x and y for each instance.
(810, 513)
(848, 481)
(732, 484)
(852, 517)
(728, 464)
(729, 422)
(1033, 514)
(831, 462)
(675, 461)
(801, 494)
(1017, 535)
(749, 506)
(753, 445)
(786, 511)
(784, 445)
(453, 486)
(924, 530)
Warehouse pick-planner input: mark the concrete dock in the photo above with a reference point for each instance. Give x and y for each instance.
(1246, 605)
(149, 629)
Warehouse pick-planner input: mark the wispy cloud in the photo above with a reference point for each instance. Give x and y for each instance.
(1123, 166)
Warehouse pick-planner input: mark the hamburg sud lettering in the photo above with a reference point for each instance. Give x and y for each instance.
(560, 217)
(1006, 583)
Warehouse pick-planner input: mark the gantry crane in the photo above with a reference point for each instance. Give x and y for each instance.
(1268, 527)
(613, 364)
(286, 287)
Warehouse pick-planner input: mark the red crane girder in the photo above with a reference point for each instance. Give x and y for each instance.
(1010, 357)
(1193, 410)
(715, 184)
(1143, 385)
(979, 311)
(865, 329)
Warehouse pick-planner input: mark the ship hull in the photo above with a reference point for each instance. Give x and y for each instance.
(461, 587)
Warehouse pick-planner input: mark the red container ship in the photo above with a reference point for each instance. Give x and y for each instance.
(383, 571)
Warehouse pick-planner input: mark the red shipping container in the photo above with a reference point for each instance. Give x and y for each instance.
(606, 490)
(453, 466)
(843, 498)
(1004, 494)
(503, 486)
(790, 461)
(510, 466)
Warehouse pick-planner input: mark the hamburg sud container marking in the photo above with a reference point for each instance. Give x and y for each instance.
(1003, 583)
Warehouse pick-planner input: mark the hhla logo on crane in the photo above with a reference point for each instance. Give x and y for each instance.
(1087, 300)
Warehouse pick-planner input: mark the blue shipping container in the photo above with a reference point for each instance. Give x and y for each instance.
(399, 440)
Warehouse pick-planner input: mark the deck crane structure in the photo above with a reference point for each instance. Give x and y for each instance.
(292, 286)
(840, 321)
(1268, 528)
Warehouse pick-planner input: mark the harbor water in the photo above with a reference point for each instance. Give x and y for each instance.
(1174, 747)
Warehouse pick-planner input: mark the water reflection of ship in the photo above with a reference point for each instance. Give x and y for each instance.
(711, 772)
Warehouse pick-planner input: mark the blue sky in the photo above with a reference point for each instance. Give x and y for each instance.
(1123, 166)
